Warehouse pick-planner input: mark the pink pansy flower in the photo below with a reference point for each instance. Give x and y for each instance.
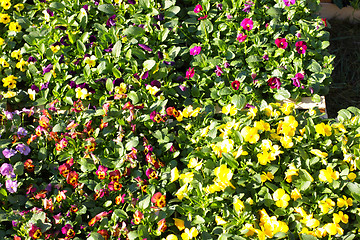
(281, 43)
(247, 24)
(241, 37)
(218, 71)
(297, 79)
(198, 8)
(274, 82)
(190, 73)
(301, 47)
(289, 2)
(195, 50)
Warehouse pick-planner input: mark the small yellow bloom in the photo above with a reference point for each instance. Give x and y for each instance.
(152, 89)
(295, 194)
(265, 157)
(9, 81)
(223, 177)
(4, 18)
(292, 171)
(262, 126)
(250, 134)
(1, 42)
(55, 49)
(187, 177)
(5, 4)
(310, 221)
(344, 202)
(189, 234)
(9, 94)
(281, 198)
(219, 220)
(174, 174)
(323, 129)
(81, 93)
(204, 131)
(181, 192)
(32, 94)
(16, 54)
(252, 112)
(337, 217)
(171, 237)
(250, 228)
(229, 109)
(325, 205)
(287, 108)
(286, 142)
(238, 205)
(266, 176)
(179, 224)
(19, 7)
(193, 163)
(15, 26)
(240, 152)
(4, 63)
(328, 175)
(351, 176)
(20, 65)
(330, 228)
(91, 61)
(319, 153)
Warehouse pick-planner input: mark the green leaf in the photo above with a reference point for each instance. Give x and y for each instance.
(355, 190)
(98, 53)
(80, 46)
(132, 143)
(19, 168)
(109, 85)
(107, 8)
(230, 160)
(198, 220)
(100, 27)
(57, 5)
(119, 215)
(116, 72)
(308, 237)
(282, 94)
(164, 34)
(132, 235)
(344, 115)
(60, 127)
(314, 66)
(134, 31)
(116, 51)
(144, 203)
(95, 236)
(171, 12)
(40, 101)
(239, 101)
(225, 91)
(148, 64)
(134, 97)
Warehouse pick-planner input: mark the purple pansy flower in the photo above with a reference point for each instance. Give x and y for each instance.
(247, 24)
(145, 75)
(219, 6)
(111, 21)
(131, 2)
(281, 43)
(7, 170)
(61, 28)
(301, 47)
(22, 131)
(31, 59)
(51, 13)
(44, 86)
(23, 149)
(145, 47)
(11, 186)
(47, 69)
(8, 153)
(159, 17)
(155, 83)
(160, 55)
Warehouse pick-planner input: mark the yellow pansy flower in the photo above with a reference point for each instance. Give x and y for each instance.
(323, 129)
(287, 108)
(292, 171)
(174, 174)
(337, 217)
(55, 49)
(20, 65)
(229, 109)
(181, 192)
(351, 176)
(344, 202)
(265, 157)
(325, 205)
(252, 112)
(91, 61)
(219, 220)
(281, 198)
(120, 89)
(319, 153)
(9, 94)
(4, 18)
(250, 134)
(81, 93)
(328, 175)
(286, 142)
(189, 234)
(238, 205)
(19, 7)
(240, 152)
(5, 4)
(331, 228)
(250, 228)
(171, 237)
(310, 221)
(204, 131)
(4, 63)
(187, 177)
(179, 223)
(32, 94)
(266, 176)
(223, 177)
(15, 26)
(16, 54)
(262, 126)
(9, 81)
(295, 194)
(194, 163)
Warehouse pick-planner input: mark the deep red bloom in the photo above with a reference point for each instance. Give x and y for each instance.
(281, 43)
(114, 176)
(247, 24)
(301, 47)
(190, 73)
(274, 82)
(235, 85)
(72, 178)
(35, 232)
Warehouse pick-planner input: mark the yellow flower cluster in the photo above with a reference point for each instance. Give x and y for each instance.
(225, 146)
(223, 176)
(269, 152)
(269, 226)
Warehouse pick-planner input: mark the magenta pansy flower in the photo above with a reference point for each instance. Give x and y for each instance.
(190, 73)
(195, 50)
(218, 71)
(274, 82)
(247, 24)
(301, 47)
(198, 8)
(297, 79)
(289, 2)
(281, 43)
(241, 37)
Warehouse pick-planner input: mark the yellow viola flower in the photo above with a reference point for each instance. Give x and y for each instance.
(292, 171)
(193, 163)
(281, 198)
(9, 81)
(229, 109)
(351, 176)
(152, 89)
(4, 18)
(16, 54)
(15, 26)
(295, 194)
(287, 108)
(238, 205)
(120, 89)
(344, 202)
(189, 234)
(171, 237)
(265, 157)
(1, 43)
(20, 65)
(204, 131)
(195, 112)
(331, 228)
(220, 221)
(323, 129)
(286, 142)
(91, 61)
(339, 126)
(19, 7)
(310, 222)
(337, 217)
(179, 224)
(223, 177)
(307, 231)
(250, 228)
(181, 192)
(5, 4)
(252, 112)
(32, 94)
(9, 94)
(212, 188)
(262, 126)
(320, 232)
(81, 93)
(328, 175)
(319, 153)
(300, 211)
(4, 63)
(266, 176)
(187, 177)
(55, 49)
(326, 205)
(250, 134)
